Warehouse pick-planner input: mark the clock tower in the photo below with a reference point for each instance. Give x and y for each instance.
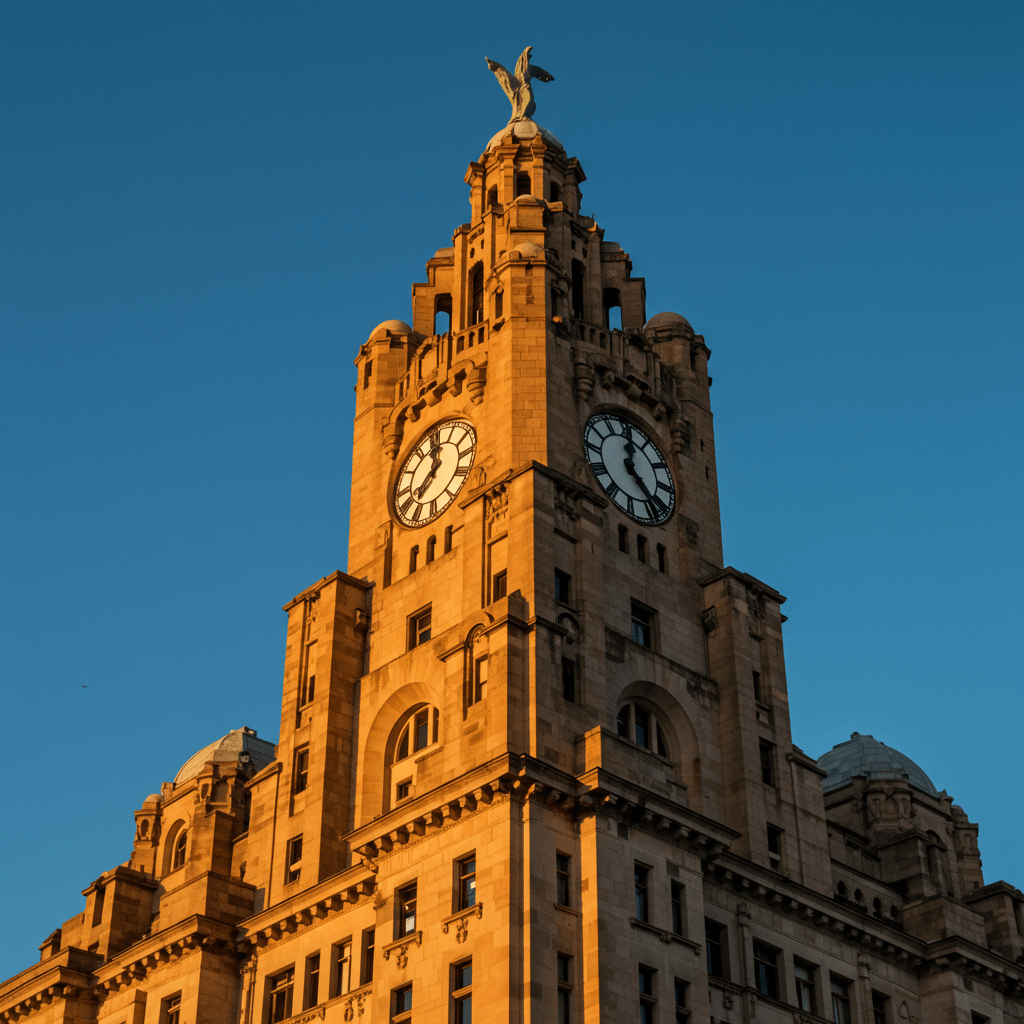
(537, 675)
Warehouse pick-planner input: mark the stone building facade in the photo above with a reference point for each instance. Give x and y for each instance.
(535, 760)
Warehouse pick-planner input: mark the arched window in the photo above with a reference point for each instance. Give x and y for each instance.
(419, 730)
(639, 725)
(612, 304)
(476, 291)
(522, 184)
(442, 313)
(499, 304)
(555, 192)
(492, 196)
(180, 845)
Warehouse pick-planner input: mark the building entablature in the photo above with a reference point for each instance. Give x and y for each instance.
(64, 975)
(330, 897)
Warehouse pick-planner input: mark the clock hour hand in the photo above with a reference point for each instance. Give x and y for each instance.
(631, 470)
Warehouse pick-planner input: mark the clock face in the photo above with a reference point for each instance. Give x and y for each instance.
(434, 473)
(630, 468)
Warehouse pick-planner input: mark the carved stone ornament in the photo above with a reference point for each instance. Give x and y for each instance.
(710, 619)
(318, 1014)
(571, 627)
(584, 379)
(496, 506)
(476, 380)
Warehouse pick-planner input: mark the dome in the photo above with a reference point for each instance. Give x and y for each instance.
(524, 130)
(667, 320)
(529, 250)
(227, 750)
(864, 755)
(389, 327)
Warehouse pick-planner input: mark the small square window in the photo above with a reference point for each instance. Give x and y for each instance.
(403, 790)
(563, 874)
(301, 776)
(562, 581)
(293, 861)
(642, 625)
(419, 628)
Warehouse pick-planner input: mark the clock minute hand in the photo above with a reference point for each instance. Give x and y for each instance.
(631, 470)
(434, 467)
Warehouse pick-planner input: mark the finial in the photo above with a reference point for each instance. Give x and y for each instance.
(517, 87)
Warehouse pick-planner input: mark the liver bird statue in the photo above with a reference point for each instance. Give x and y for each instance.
(517, 87)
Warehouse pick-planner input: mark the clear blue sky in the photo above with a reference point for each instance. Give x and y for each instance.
(207, 207)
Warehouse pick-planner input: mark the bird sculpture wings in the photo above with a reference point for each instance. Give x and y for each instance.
(517, 87)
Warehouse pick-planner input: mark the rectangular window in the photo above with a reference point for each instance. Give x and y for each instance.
(403, 790)
(641, 548)
(775, 847)
(405, 910)
(462, 992)
(419, 628)
(715, 946)
(841, 1001)
(465, 882)
(647, 1000)
(562, 581)
(170, 1009)
(281, 986)
(803, 976)
(758, 688)
(97, 906)
(563, 873)
(369, 944)
(479, 681)
(642, 727)
(569, 679)
(565, 986)
(401, 1004)
(678, 893)
(766, 970)
(312, 980)
(880, 1008)
(661, 557)
(342, 954)
(767, 763)
(300, 779)
(499, 586)
(623, 539)
(642, 625)
(640, 877)
(682, 1013)
(293, 860)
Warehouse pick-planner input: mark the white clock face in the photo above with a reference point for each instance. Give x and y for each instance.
(630, 468)
(434, 473)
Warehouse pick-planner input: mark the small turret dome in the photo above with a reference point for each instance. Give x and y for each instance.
(864, 755)
(381, 331)
(668, 320)
(226, 750)
(529, 250)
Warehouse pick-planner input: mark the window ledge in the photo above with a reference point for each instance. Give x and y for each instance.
(400, 947)
(667, 936)
(461, 920)
(567, 910)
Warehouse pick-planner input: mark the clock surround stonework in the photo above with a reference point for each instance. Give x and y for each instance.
(529, 696)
